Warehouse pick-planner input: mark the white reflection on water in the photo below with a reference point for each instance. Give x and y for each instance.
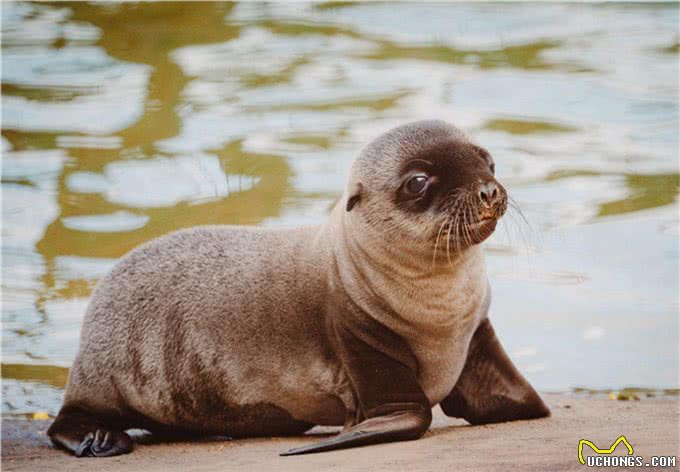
(114, 222)
(82, 71)
(161, 181)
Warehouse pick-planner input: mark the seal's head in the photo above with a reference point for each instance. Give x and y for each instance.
(426, 182)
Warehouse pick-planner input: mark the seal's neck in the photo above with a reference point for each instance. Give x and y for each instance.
(402, 281)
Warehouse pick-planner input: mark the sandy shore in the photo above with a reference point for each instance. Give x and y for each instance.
(650, 425)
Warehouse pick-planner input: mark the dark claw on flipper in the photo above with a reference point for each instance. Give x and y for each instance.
(111, 443)
(83, 449)
(104, 444)
(86, 435)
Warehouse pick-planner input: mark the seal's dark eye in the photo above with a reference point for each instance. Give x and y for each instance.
(493, 168)
(416, 184)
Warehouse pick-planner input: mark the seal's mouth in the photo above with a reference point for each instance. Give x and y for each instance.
(483, 222)
(486, 222)
(482, 229)
(472, 216)
(486, 214)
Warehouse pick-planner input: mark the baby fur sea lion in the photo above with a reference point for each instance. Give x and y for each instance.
(366, 321)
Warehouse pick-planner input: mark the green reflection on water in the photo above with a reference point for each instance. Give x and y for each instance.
(332, 5)
(321, 142)
(644, 190)
(53, 94)
(377, 103)
(526, 56)
(526, 126)
(146, 33)
(48, 374)
(272, 172)
(283, 76)
(672, 49)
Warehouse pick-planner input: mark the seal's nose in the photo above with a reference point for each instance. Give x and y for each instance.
(489, 193)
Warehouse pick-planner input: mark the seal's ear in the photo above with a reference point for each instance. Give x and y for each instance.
(355, 196)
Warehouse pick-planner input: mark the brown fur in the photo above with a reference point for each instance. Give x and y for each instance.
(362, 321)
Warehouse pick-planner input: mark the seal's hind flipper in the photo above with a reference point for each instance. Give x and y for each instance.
(80, 432)
(391, 402)
(398, 426)
(490, 388)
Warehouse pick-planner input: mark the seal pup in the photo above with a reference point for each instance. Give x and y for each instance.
(366, 321)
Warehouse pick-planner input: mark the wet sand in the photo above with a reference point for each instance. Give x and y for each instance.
(650, 425)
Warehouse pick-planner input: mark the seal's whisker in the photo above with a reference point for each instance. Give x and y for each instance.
(456, 221)
(462, 218)
(506, 227)
(448, 245)
(464, 221)
(436, 244)
(520, 222)
(513, 205)
(469, 231)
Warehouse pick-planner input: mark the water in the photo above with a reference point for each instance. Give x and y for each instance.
(123, 122)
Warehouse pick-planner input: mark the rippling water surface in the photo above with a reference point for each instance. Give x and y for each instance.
(123, 122)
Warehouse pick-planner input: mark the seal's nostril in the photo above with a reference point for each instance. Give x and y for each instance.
(488, 193)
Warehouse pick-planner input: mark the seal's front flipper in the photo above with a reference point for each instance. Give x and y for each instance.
(490, 388)
(398, 426)
(391, 402)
